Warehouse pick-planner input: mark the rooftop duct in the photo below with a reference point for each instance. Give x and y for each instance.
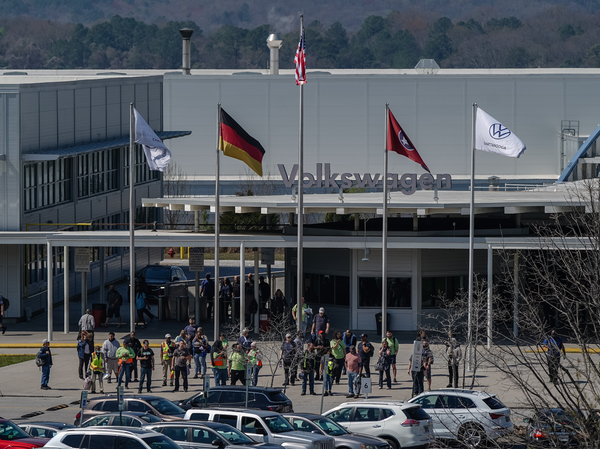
(186, 65)
(274, 44)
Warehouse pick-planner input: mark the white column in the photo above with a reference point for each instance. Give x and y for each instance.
(66, 289)
(50, 289)
(490, 285)
(516, 295)
(83, 291)
(242, 287)
(256, 293)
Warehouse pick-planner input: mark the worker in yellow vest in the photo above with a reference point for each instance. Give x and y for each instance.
(166, 356)
(97, 367)
(125, 355)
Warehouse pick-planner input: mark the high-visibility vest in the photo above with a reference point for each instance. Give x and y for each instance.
(220, 361)
(97, 363)
(166, 348)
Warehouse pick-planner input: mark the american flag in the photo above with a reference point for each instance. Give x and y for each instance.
(300, 61)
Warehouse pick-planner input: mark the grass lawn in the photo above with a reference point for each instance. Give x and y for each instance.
(11, 359)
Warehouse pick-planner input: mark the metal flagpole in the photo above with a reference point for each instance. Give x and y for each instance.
(217, 230)
(300, 261)
(471, 234)
(131, 219)
(384, 323)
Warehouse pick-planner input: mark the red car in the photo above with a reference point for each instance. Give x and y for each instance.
(13, 436)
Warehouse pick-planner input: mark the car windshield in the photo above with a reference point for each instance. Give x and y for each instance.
(277, 396)
(150, 418)
(10, 431)
(158, 273)
(494, 403)
(278, 424)
(233, 435)
(160, 442)
(165, 407)
(330, 427)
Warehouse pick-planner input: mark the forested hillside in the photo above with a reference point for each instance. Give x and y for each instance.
(555, 37)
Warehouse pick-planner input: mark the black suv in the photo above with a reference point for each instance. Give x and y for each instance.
(259, 398)
(156, 277)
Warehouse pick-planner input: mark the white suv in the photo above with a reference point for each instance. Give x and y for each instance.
(469, 416)
(401, 424)
(113, 437)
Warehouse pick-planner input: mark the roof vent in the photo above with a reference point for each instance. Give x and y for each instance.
(427, 67)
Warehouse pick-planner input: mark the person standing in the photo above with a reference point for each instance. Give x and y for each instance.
(308, 368)
(419, 373)
(125, 355)
(191, 328)
(109, 351)
(46, 356)
(264, 291)
(349, 339)
(84, 352)
(115, 301)
(255, 358)
(135, 346)
(428, 354)
(353, 368)
(322, 345)
(207, 291)
(304, 313)
(327, 366)
(299, 348)
(237, 365)
(288, 355)
(141, 305)
(146, 357)
(219, 363)
(2, 309)
(553, 345)
(97, 366)
(393, 345)
(87, 324)
(454, 353)
(181, 358)
(245, 341)
(278, 306)
(385, 356)
(251, 304)
(320, 323)
(365, 351)
(199, 348)
(338, 351)
(166, 355)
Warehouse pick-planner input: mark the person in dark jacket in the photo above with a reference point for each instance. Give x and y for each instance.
(46, 356)
(84, 352)
(135, 345)
(307, 365)
(321, 345)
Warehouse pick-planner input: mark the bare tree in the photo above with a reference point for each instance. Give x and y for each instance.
(176, 185)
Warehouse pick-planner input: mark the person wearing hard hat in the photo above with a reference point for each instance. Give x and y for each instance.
(166, 355)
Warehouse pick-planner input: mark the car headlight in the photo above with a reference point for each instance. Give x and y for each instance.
(368, 446)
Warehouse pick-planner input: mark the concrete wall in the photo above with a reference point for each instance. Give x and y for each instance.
(344, 119)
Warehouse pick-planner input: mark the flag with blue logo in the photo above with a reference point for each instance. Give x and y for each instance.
(157, 154)
(494, 137)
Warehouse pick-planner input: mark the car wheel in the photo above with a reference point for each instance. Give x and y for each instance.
(472, 435)
(393, 443)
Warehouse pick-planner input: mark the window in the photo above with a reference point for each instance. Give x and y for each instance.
(97, 172)
(203, 436)
(47, 183)
(176, 433)
(102, 441)
(399, 292)
(387, 413)
(199, 417)
(427, 402)
(252, 425)
(130, 443)
(97, 421)
(74, 440)
(304, 426)
(137, 406)
(142, 171)
(436, 288)
(233, 435)
(327, 289)
(367, 414)
(341, 415)
(227, 419)
(228, 397)
(111, 406)
(416, 413)
(160, 442)
(494, 403)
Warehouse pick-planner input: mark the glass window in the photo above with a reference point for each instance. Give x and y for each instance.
(160, 442)
(494, 403)
(102, 441)
(434, 289)
(233, 435)
(366, 414)
(341, 415)
(111, 406)
(137, 406)
(427, 402)
(73, 440)
(278, 424)
(203, 436)
(165, 407)
(387, 413)
(330, 427)
(304, 426)
(399, 291)
(416, 413)
(232, 396)
(176, 433)
(130, 443)
(97, 421)
(199, 417)
(227, 419)
(250, 425)
(10, 431)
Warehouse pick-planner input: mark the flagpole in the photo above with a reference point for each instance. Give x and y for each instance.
(132, 318)
(471, 235)
(300, 259)
(384, 323)
(217, 230)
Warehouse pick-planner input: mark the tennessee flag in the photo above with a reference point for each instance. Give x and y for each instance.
(398, 141)
(235, 142)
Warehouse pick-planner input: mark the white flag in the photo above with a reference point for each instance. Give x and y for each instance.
(494, 137)
(157, 154)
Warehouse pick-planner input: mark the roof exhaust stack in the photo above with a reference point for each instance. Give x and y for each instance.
(186, 64)
(274, 44)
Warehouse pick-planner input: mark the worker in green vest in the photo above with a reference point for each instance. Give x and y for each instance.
(97, 367)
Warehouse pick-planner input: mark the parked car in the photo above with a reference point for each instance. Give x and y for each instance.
(12, 436)
(125, 419)
(157, 277)
(260, 398)
(466, 415)
(44, 429)
(153, 405)
(113, 437)
(265, 426)
(207, 435)
(399, 423)
(311, 422)
(554, 428)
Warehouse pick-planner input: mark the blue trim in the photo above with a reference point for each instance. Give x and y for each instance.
(564, 176)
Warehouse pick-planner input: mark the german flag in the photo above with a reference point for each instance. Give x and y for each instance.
(235, 142)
